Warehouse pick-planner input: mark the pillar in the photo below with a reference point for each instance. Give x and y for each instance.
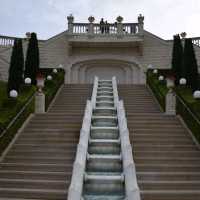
(170, 103)
(39, 102)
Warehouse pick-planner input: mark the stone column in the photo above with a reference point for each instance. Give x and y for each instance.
(170, 103)
(91, 26)
(119, 26)
(140, 24)
(39, 102)
(70, 23)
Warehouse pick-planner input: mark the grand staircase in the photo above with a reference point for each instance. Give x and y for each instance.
(39, 165)
(167, 161)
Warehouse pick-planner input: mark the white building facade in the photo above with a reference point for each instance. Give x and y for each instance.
(92, 49)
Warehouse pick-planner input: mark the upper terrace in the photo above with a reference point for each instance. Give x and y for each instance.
(103, 33)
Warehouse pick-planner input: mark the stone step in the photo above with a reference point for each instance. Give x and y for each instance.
(35, 175)
(167, 160)
(33, 184)
(170, 194)
(163, 153)
(167, 167)
(39, 159)
(36, 167)
(183, 141)
(170, 176)
(165, 147)
(32, 193)
(169, 185)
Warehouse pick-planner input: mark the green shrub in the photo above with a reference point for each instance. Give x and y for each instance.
(158, 88)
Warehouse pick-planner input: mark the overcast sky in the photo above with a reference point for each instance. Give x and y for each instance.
(48, 17)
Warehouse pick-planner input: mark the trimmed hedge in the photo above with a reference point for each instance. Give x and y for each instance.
(51, 87)
(158, 88)
(184, 96)
(9, 108)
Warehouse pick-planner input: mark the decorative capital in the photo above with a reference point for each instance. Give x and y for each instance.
(141, 19)
(70, 19)
(119, 19)
(91, 19)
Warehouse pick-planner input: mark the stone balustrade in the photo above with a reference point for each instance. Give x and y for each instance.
(131, 186)
(6, 41)
(83, 28)
(117, 28)
(196, 41)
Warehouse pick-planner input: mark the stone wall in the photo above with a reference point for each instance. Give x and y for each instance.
(56, 51)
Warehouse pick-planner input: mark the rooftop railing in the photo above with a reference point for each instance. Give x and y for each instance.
(6, 41)
(196, 41)
(104, 28)
(127, 28)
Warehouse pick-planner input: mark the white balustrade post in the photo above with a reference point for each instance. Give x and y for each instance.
(170, 103)
(39, 102)
(120, 29)
(91, 26)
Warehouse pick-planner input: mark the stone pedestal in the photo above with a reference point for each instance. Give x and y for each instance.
(39, 102)
(170, 103)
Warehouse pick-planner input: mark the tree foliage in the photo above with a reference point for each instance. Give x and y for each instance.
(190, 67)
(177, 54)
(32, 58)
(15, 75)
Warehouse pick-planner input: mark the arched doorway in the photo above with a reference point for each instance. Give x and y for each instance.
(125, 72)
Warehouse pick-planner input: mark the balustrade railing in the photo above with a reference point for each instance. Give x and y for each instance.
(105, 29)
(6, 41)
(76, 186)
(196, 41)
(131, 186)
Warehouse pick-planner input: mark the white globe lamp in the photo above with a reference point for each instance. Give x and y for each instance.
(150, 66)
(60, 66)
(49, 77)
(196, 94)
(161, 78)
(182, 81)
(27, 81)
(55, 71)
(155, 71)
(13, 94)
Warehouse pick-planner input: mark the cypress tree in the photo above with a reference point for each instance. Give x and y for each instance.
(32, 58)
(20, 66)
(177, 54)
(14, 72)
(190, 67)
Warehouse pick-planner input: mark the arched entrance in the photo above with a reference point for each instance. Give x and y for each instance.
(126, 72)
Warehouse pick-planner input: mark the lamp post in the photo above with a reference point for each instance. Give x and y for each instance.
(40, 96)
(40, 82)
(170, 99)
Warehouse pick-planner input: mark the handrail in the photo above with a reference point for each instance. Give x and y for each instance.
(94, 92)
(76, 186)
(188, 109)
(17, 116)
(131, 186)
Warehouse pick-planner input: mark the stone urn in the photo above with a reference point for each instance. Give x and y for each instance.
(119, 19)
(70, 19)
(91, 19)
